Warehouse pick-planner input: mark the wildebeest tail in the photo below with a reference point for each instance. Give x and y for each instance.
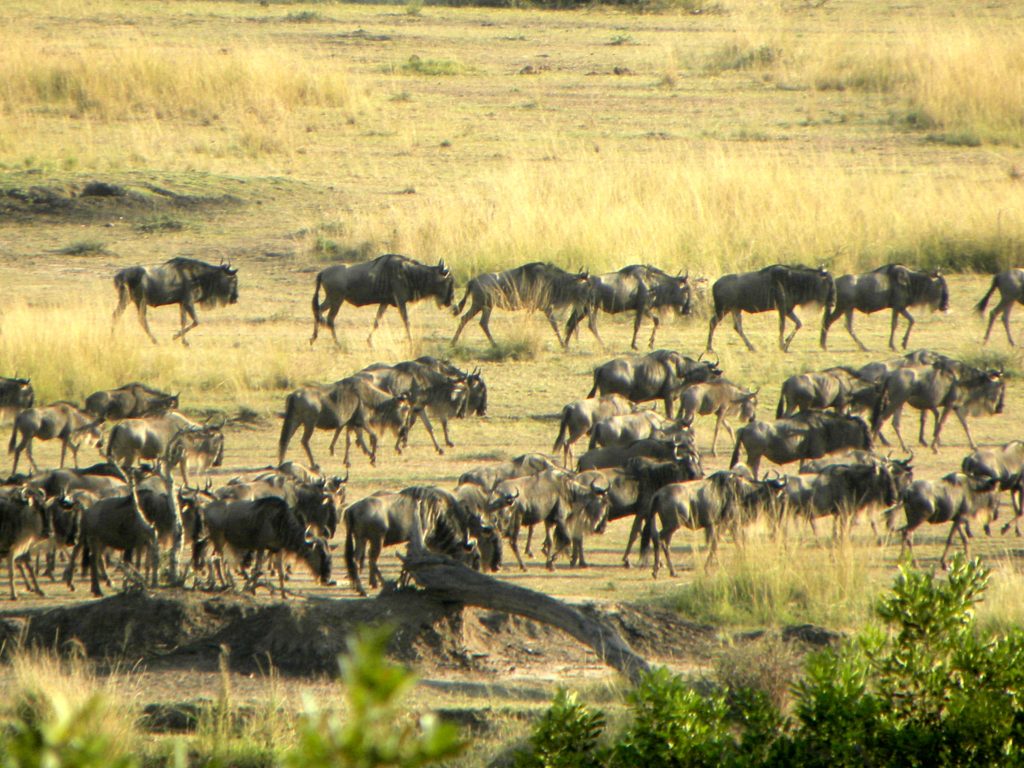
(646, 534)
(318, 317)
(980, 306)
(562, 429)
(287, 430)
(457, 309)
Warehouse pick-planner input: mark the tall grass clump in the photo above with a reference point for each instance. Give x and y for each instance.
(709, 210)
(775, 583)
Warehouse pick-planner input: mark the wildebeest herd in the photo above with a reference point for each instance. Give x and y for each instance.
(146, 502)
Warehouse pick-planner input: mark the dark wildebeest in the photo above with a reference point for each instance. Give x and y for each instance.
(1005, 467)
(350, 404)
(955, 498)
(950, 386)
(892, 286)
(840, 388)
(842, 491)
(658, 375)
(1011, 291)
(425, 516)
(129, 401)
(264, 525)
(807, 435)
(532, 286)
(580, 416)
(391, 280)
(15, 395)
(720, 398)
(185, 282)
(630, 427)
(727, 497)
(23, 522)
(679, 448)
(639, 288)
(62, 421)
(780, 288)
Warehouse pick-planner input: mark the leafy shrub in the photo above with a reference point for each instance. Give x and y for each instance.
(566, 736)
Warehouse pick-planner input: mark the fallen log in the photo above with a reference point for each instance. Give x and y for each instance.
(451, 581)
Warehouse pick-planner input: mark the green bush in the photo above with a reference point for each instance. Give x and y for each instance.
(928, 689)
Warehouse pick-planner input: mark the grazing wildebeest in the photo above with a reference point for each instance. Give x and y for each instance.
(316, 501)
(1005, 467)
(62, 421)
(129, 401)
(1011, 291)
(658, 375)
(532, 286)
(807, 435)
(719, 397)
(580, 416)
(23, 522)
(630, 427)
(185, 282)
(351, 404)
(148, 438)
(424, 516)
(639, 288)
(391, 280)
(892, 286)
(679, 448)
(840, 388)
(195, 449)
(954, 388)
(263, 525)
(780, 288)
(15, 395)
(520, 466)
(955, 498)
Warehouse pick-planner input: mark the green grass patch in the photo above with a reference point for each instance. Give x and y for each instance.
(84, 248)
(431, 67)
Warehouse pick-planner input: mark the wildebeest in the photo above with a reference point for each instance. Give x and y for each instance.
(658, 375)
(950, 386)
(532, 286)
(721, 398)
(391, 280)
(350, 404)
(129, 401)
(679, 448)
(841, 388)
(579, 417)
(843, 490)
(15, 395)
(266, 524)
(23, 522)
(148, 438)
(1005, 467)
(315, 501)
(778, 287)
(489, 476)
(630, 427)
(181, 281)
(955, 498)
(195, 449)
(638, 288)
(62, 421)
(1011, 291)
(807, 435)
(425, 516)
(892, 286)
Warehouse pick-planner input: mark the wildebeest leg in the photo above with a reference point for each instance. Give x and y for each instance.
(187, 311)
(1006, 323)
(737, 323)
(849, 329)
(655, 322)
(334, 440)
(634, 531)
(529, 540)
(896, 415)
(715, 320)
(666, 547)
(307, 433)
(145, 323)
(28, 573)
(1002, 308)
(10, 572)
(719, 421)
(513, 542)
(447, 438)
(826, 325)
(465, 319)
(967, 431)
(910, 325)
(958, 527)
(31, 458)
(430, 431)
(332, 313)
(122, 304)
(592, 325)
(376, 577)
(784, 345)
(636, 328)
(550, 315)
(376, 321)
(711, 539)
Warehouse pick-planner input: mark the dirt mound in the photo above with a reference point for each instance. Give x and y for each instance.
(99, 200)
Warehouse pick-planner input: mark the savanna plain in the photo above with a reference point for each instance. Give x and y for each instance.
(702, 137)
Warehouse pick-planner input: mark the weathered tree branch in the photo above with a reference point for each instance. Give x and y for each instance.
(448, 580)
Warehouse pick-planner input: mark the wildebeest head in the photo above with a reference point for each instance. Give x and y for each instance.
(941, 290)
(477, 401)
(748, 405)
(16, 394)
(440, 284)
(216, 285)
(317, 555)
(489, 544)
(90, 434)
